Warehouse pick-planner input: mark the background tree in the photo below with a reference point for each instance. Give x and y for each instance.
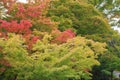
(74, 14)
(109, 61)
(111, 9)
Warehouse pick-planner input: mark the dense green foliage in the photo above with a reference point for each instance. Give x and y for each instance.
(78, 15)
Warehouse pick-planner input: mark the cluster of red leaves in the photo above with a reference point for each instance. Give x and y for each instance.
(20, 28)
(62, 37)
(29, 11)
(30, 40)
(33, 11)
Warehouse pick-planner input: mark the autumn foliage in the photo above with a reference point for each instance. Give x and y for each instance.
(48, 54)
(62, 37)
(14, 27)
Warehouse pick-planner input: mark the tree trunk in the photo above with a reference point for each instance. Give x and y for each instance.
(111, 75)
